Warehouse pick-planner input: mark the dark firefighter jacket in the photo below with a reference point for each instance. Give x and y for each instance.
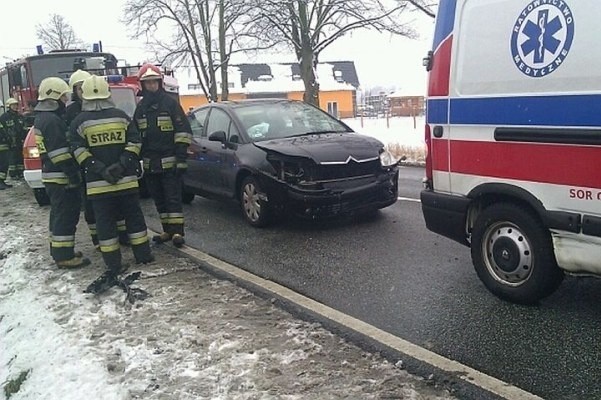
(58, 166)
(14, 124)
(166, 132)
(107, 136)
(73, 111)
(4, 139)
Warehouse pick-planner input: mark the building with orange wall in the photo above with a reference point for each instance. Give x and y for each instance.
(338, 85)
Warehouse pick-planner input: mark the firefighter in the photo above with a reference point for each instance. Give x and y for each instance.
(29, 115)
(14, 124)
(75, 81)
(166, 135)
(4, 157)
(73, 110)
(107, 145)
(60, 172)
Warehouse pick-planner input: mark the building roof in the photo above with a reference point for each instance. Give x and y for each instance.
(275, 78)
(253, 72)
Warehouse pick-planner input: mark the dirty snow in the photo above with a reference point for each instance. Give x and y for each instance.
(197, 337)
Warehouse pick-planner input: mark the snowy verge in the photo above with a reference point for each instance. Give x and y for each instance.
(197, 337)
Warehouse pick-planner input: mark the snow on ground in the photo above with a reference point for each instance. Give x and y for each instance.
(404, 131)
(197, 337)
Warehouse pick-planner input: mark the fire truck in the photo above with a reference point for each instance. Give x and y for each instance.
(21, 79)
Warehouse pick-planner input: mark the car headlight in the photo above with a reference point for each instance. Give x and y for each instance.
(387, 159)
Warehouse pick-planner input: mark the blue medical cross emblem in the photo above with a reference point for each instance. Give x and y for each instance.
(541, 36)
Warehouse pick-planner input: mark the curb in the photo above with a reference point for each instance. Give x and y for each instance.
(454, 376)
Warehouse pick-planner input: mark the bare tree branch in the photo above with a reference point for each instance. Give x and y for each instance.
(57, 33)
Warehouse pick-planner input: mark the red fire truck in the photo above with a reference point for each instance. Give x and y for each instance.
(21, 79)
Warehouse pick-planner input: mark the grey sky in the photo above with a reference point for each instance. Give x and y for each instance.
(380, 58)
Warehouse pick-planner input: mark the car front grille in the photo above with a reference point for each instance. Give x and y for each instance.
(351, 169)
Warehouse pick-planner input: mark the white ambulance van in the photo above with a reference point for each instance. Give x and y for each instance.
(514, 140)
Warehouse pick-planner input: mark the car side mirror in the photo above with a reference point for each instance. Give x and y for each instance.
(218, 136)
(427, 61)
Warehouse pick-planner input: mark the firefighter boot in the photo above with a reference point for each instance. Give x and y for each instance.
(162, 238)
(4, 185)
(75, 262)
(178, 240)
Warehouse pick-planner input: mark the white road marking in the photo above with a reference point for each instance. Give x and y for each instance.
(471, 375)
(409, 199)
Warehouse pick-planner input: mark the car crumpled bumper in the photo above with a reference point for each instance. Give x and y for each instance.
(344, 196)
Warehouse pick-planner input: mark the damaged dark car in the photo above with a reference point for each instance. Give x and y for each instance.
(283, 156)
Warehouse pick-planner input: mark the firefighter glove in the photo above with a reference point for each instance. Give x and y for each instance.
(113, 173)
(129, 161)
(95, 166)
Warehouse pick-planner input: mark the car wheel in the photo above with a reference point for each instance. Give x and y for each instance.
(41, 197)
(187, 197)
(256, 210)
(513, 254)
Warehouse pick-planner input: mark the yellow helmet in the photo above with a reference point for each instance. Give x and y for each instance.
(95, 88)
(10, 102)
(52, 88)
(78, 77)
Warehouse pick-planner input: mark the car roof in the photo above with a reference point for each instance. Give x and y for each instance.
(247, 102)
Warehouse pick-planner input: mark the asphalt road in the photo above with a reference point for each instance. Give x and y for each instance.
(391, 272)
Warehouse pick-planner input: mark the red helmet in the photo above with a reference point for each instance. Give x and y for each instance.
(149, 72)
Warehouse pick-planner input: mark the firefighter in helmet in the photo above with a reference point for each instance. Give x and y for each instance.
(75, 81)
(60, 172)
(14, 124)
(166, 135)
(107, 145)
(73, 110)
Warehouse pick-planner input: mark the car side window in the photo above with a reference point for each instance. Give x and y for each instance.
(197, 122)
(218, 121)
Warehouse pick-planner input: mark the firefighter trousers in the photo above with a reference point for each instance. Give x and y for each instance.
(107, 211)
(16, 167)
(166, 191)
(91, 221)
(4, 163)
(64, 216)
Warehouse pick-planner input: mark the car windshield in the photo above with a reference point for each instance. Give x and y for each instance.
(285, 119)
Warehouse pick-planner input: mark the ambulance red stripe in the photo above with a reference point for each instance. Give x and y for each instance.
(545, 163)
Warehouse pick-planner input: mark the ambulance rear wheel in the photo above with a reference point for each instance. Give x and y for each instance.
(513, 254)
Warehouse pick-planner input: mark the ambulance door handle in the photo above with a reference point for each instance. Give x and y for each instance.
(438, 131)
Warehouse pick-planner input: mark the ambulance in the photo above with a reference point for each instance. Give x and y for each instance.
(513, 134)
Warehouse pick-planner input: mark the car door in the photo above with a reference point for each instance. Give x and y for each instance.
(229, 171)
(197, 151)
(216, 153)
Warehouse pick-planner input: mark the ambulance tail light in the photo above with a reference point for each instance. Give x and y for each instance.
(31, 158)
(428, 180)
(31, 152)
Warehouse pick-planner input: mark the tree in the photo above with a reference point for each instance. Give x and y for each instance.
(205, 33)
(57, 34)
(310, 26)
